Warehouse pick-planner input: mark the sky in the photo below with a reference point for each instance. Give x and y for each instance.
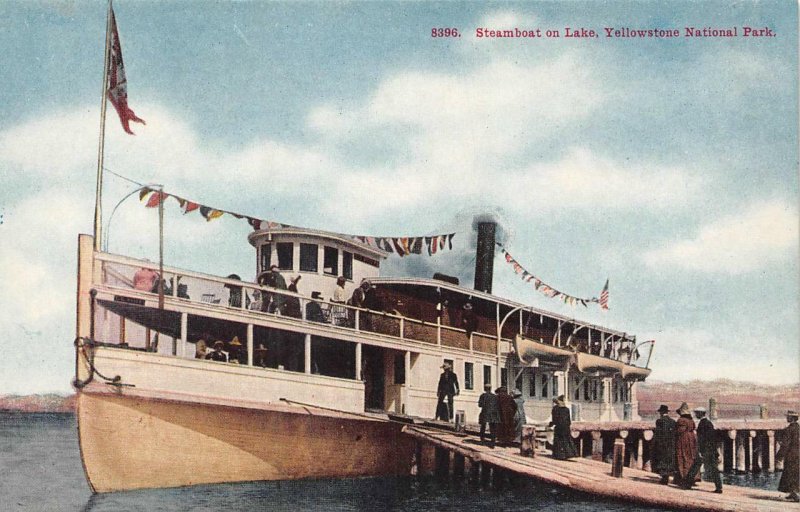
(667, 165)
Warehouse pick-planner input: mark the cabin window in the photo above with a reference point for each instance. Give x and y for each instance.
(594, 390)
(504, 377)
(333, 358)
(614, 392)
(487, 375)
(266, 256)
(543, 388)
(285, 255)
(347, 264)
(309, 255)
(586, 395)
(274, 348)
(330, 262)
(399, 369)
(368, 261)
(555, 385)
(602, 385)
(577, 393)
(469, 377)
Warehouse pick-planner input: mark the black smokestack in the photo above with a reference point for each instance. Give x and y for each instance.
(484, 256)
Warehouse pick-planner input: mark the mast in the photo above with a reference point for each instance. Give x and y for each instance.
(98, 214)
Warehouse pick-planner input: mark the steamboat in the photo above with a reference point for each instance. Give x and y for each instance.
(308, 387)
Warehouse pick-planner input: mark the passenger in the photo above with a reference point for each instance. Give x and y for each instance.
(685, 446)
(508, 408)
(519, 416)
(446, 390)
(314, 310)
(609, 350)
(217, 354)
(257, 304)
(789, 453)
(273, 279)
(235, 293)
(364, 297)
(145, 279)
(339, 313)
(200, 349)
(664, 443)
(260, 356)
(469, 320)
(291, 306)
(235, 352)
(490, 413)
(707, 451)
(563, 447)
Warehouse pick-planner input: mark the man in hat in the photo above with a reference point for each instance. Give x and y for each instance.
(685, 446)
(447, 389)
(563, 447)
(490, 413)
(469, 320)
(314, 309)
(664, 441)
(789, 453)
(707, 451)
(217, 353)
(339, 313)
(292, 305)
(519, 416)
(235, 352)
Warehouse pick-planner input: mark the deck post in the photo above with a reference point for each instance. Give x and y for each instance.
(639, 451)
(307, 355)
(740, 452)
(618, 458)
(751, 451)
(756, 459)
(648, 436)
(184, 333)
(770, 451)
(732, 438)
(597, 445)
(358, 361)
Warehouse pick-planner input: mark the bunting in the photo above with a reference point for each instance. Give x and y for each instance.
(401, 246)
(548, 290)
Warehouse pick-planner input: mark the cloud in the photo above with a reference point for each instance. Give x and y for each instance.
(765, 232)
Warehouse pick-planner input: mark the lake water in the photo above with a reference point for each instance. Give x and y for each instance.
(40, 469)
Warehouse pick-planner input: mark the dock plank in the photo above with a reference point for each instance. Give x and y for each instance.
(594, 477)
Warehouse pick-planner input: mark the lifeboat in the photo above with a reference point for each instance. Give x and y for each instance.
(529, 351)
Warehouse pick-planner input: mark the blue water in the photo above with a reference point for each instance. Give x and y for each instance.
(40, 469)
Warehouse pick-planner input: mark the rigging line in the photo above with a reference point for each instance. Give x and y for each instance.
(123, 177)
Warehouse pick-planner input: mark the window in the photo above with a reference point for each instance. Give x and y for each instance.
(532, 385)
(586, 395)
(399, 369)
(309, 255)
(577, 393)
(347, 264)
(330, 263)
(543, 387)
(555, 385)
(285, 255)
(266, 255)
(469, 376)
(368, 261)
(615, 391)
(487, 375)
(504, 377)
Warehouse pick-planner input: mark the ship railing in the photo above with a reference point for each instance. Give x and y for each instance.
(197, 287)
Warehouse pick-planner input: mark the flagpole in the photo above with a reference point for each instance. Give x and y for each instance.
(98, 214)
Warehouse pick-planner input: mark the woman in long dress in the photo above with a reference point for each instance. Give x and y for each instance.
(563, 447)
(508, 407)
(519, 416)
(685, 445)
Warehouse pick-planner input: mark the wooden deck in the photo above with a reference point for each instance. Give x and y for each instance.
(594, 477)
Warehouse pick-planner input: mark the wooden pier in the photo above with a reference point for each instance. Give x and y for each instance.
(459, 454)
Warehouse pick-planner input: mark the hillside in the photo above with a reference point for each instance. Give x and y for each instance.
(50, 402)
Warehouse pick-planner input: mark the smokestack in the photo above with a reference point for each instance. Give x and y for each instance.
(484, 257)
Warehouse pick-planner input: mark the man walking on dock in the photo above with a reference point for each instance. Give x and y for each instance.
(490, 413)
(707, 451)
(664, 439)
(447, 389)
(789, 453)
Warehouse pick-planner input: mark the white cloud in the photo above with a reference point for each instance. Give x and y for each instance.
(763, 233)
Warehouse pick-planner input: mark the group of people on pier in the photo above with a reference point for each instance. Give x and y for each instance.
(504, 412)
(682, 447)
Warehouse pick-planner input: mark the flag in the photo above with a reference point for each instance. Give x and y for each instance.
(117, 86)
(604, 297)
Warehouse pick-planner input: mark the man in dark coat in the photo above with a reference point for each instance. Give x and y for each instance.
(707, 451)
(685, 446)
(508, 408)
(314, 310)
(490, 413)
(447, 389)
(788, 453)
(563, 447)
(664, 442)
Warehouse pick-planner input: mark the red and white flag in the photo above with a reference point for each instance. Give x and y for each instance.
(604, 297)
(117, 85)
